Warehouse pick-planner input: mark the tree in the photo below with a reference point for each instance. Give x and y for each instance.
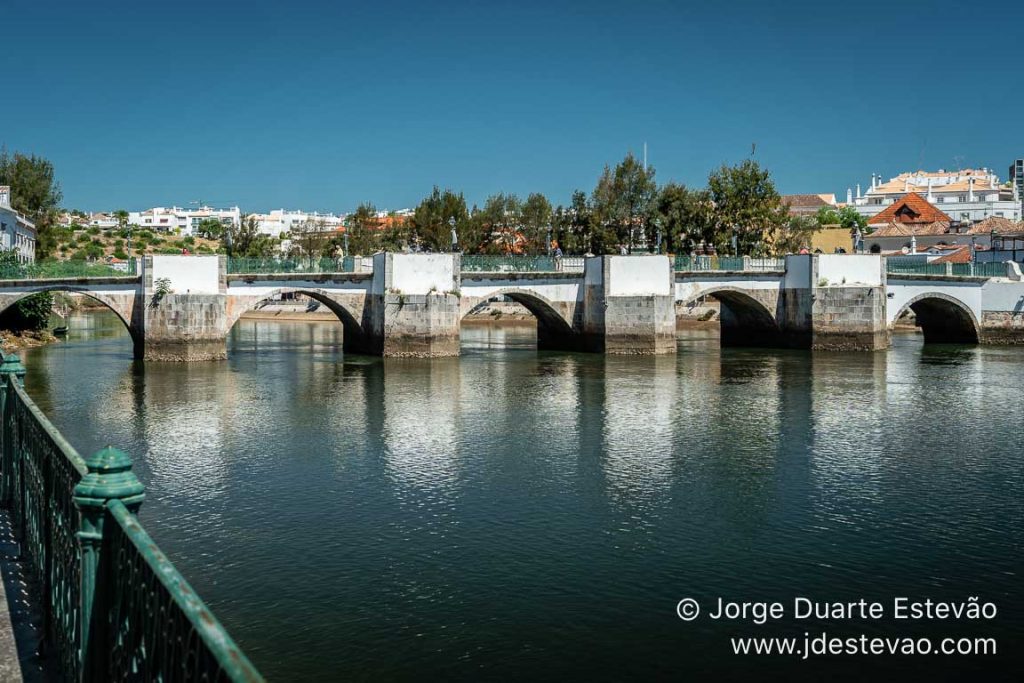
(247, 241)
(623, 201)
(536, 216)
(573, 225)
(747, 206)
(35, 193)
(311, 241)
(686, 217)
(122, 219)
(362, 229)
(497, 227)
(797, 234)
(210, 228)
(433, 216)
(30, 313)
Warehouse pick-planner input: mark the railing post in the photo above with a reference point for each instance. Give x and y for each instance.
(11, 370)
(110, 477)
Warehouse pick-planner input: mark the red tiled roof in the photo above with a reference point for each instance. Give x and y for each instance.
(961, 255)
(895, 229)
(998, 224)
(911, 208)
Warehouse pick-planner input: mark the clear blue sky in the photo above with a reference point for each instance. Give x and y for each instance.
(322, 105)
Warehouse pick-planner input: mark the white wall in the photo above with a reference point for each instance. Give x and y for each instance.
(639, 276)
(188, 274)
(420, 273)
(850, 269)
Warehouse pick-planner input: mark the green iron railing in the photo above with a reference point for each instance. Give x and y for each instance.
(113, 606)
(737, 263)
(52, 270)
(247, 266)
(485, 263)
(918, 267)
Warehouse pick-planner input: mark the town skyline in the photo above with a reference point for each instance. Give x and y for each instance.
(380, 104)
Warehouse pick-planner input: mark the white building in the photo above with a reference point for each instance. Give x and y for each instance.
(16, 231)
(280, 221)
(183, 221)
(968, 196)
(103, 221)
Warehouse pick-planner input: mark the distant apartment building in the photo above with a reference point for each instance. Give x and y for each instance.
(103, 221)
(968, 196)
(1017, 180)
(282, 221)
(183, 221)
(16, 231)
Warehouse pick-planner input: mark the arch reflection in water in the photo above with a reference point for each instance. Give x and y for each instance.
(639, 435)
(421, 405)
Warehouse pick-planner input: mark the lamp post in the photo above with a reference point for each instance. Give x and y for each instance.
(455, 235)
(657, 244)
(549, 241)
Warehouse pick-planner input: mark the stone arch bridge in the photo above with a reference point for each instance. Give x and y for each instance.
(182, 307)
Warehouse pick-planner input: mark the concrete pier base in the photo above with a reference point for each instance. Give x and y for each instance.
(628, 305)
(419, 326)
(184, 309)
(413, 310)
(1002, 327)
(834, 303)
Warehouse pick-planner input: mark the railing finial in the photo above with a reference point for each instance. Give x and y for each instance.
(110, 476)
(10, 366)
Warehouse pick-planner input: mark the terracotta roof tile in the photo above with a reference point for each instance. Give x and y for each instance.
(998, 224)
(911, 208)
(894, 229)
(961, 255)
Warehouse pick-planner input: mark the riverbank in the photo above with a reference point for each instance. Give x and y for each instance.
(15, 341)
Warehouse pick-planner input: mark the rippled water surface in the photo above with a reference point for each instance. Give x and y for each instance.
(514, 514)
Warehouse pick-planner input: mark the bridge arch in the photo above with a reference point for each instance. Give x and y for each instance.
(121, 303)
(351, 316)
(554, 328)
(745, 320)
(943, 319)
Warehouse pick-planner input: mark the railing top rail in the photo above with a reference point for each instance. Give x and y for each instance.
(49, 429)
(229, 656)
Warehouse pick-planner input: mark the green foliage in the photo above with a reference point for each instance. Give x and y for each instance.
(432, 220)
(797, 234)
(623, 203)
(210, 228)
(748, 206)
(122, 219)
(686, 218)
(188, 240)
(29, 314)
(842, 217)
(536, 220)
(34, 192)
(246, 240)
(121, 254)
(93, 230)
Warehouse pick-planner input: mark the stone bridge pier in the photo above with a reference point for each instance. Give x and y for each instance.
(629, 305)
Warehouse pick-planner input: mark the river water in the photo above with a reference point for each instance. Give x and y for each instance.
(515, 514)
